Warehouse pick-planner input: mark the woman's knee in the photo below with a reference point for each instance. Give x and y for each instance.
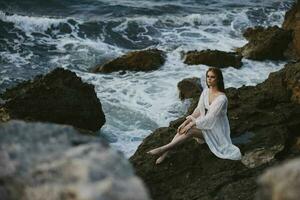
(191, 132)
(196, 132)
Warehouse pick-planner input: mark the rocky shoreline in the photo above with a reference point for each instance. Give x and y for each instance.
(43, 158)
(268, 116)
(264, 124)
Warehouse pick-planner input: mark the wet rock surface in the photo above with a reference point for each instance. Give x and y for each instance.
(189, 88)
(266, 43)
(60, 97)
(145, 60)
(214, 58)
(291, 22)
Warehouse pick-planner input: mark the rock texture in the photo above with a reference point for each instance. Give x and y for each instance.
(280, 182)
(264, 121)
(213, 58)
(59, 97)
(49, 162)
(146, 60)
(266, 43)
(291, 22)
(4, 116)
(189, 88)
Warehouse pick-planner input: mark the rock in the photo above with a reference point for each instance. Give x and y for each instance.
(281, 182)
(266, 104)
(60, 97)
(191, 171)
(265, 43)
(189, 88)
(4, 116)
(290, 18)
(213, 58)
(268, 111)
(292, 78)
(145, 60)
(48, 161)
(291, 22)
(260, 156)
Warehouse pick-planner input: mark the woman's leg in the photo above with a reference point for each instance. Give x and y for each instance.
(164, 155)
(195, 133)
(158, 149)
(179, 138)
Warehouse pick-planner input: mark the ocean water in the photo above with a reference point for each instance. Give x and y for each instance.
(37, 36)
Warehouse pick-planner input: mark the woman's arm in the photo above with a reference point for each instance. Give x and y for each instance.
(208, 121)
(200, 109)
(183, 125)
(198, 112)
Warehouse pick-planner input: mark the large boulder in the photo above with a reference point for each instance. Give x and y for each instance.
(214, 58)
(281, 182)
(145, 60)
(291, 22)
(264, 121)
(60, 97)
(265, 43)
(268, 103)
(189, 88)
(47, 161)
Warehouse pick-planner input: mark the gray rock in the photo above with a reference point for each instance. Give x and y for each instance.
(281, 182)
(260, 156)
(46, 161)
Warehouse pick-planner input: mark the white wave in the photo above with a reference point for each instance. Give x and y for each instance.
(143, 3)
(31, 24)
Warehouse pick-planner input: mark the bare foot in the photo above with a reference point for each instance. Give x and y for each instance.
(156, 151)
(161, 158)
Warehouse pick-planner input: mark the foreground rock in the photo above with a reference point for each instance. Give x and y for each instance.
(281, 182)
(146, 60)
(4, 116)
(291, 22)
(266, 43)
(264, 121)
(189, 88)
(213, 58)
(47, 161)
(59, 97)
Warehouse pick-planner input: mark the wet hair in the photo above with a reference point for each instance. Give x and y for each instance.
(219, 77)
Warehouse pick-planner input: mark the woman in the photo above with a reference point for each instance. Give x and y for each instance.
(207, 123)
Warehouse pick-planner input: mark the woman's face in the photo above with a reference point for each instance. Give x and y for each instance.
(211, 79)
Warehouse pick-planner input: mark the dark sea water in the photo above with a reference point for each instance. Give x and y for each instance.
(37, 36)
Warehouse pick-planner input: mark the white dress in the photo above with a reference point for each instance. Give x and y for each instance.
(215, 126)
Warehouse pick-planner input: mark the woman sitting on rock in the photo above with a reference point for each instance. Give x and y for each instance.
(207, 123)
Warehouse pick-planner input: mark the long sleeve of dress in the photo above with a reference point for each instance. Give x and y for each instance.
(200, 109)
(207, 122)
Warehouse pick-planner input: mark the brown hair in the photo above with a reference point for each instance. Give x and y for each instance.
(219, 76)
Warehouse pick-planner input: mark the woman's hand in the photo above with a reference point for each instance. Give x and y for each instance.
(185, 129)
(183, 125)
(191, 118)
